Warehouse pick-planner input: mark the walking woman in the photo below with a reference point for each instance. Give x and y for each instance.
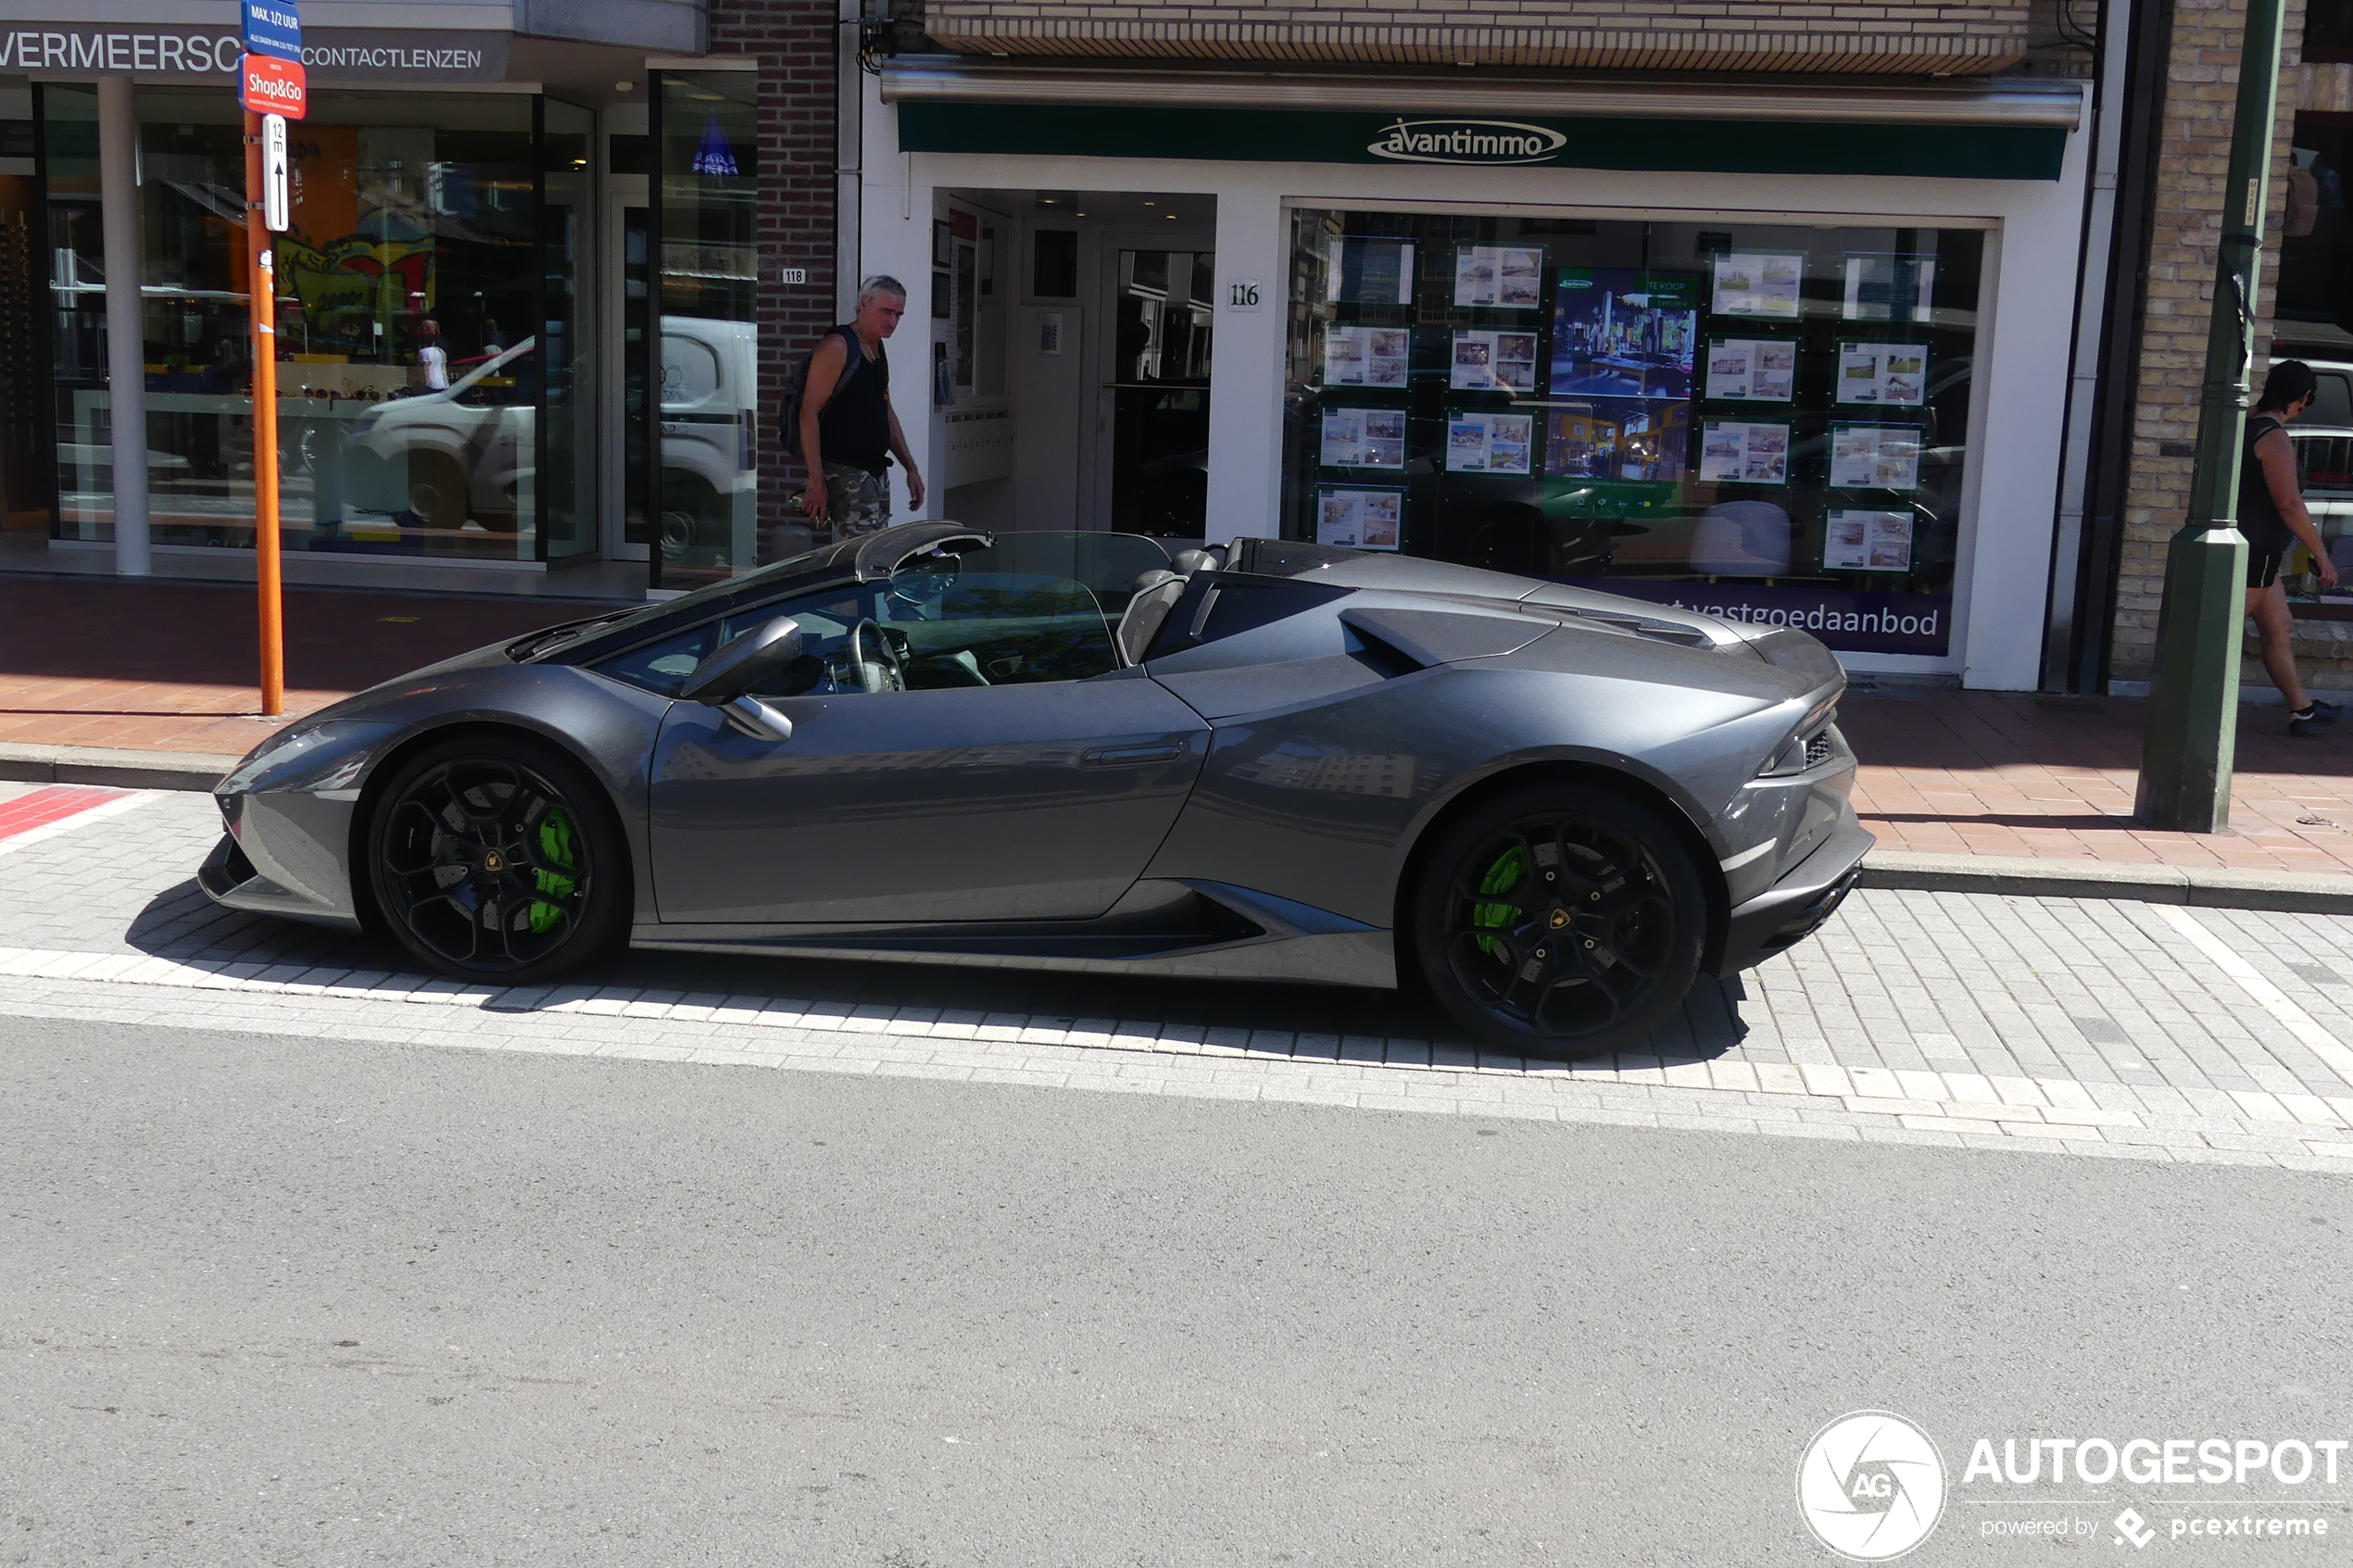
(2272, 517)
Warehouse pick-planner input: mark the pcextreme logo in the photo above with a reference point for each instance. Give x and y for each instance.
(1467, 140)
(1871, 1486)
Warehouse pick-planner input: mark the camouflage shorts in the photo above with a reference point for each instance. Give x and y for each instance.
(858, 502)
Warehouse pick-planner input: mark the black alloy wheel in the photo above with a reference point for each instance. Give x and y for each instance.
(1560, 922)
(498, 861)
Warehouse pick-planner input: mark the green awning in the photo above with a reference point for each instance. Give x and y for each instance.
(1724, 146)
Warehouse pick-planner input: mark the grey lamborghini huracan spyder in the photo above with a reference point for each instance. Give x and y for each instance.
(1267, 761)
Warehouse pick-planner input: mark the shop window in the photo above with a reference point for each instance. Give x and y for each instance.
(408, 317)
(2312, 321)
(2328, 30)
(1768, 421)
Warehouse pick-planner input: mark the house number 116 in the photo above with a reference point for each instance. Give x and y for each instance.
(1242, 295)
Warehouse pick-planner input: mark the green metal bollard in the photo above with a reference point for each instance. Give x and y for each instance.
(2194, 708)
(2193, 703)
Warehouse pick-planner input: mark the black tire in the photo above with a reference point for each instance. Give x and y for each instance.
(437, 491)
(498, 859)
(1558, 920)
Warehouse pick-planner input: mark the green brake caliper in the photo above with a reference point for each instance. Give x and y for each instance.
(1500, 876)
(555, 850)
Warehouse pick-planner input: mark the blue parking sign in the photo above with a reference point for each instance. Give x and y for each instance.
(272, 27)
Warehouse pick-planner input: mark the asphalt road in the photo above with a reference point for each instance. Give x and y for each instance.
(270, 1301)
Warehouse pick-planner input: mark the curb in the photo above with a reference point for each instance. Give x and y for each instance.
(2308, 893)
(120, 768)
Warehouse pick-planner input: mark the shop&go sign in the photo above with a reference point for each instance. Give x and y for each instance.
(1467, 140)
(272, 28)
(267, 85)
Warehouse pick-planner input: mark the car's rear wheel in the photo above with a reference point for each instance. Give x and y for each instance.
(499, 861)
(1559, 921)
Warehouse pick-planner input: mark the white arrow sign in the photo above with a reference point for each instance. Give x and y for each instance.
(275, 199)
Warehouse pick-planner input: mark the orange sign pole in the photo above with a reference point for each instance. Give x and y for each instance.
(262, 280)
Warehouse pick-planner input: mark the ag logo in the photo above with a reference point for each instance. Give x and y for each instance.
(1871, 1486)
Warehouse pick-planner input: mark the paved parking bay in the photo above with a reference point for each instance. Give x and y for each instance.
(2064, 1026)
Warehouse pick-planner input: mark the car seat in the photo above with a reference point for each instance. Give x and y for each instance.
(1156, 593)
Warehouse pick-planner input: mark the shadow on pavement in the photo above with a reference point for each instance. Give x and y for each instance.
(243, 945)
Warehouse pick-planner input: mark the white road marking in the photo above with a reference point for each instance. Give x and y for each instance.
(2273, 1000)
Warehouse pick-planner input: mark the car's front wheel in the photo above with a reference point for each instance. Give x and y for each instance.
(1559, 921)
(499, 861)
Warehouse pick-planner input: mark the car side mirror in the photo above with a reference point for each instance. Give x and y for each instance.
(725, 678)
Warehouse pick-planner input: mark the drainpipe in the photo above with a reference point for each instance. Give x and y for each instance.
(849, 143)
(2139, 92)
(2095, 262)
(126, 333)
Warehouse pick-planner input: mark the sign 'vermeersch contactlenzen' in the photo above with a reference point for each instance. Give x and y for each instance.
(1467, 140)
(173, 51)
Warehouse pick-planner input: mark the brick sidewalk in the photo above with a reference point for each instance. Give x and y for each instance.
(1953, 772)
(167, 667)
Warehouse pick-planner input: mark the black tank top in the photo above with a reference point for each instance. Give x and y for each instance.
(854, 425)
(2259, 520)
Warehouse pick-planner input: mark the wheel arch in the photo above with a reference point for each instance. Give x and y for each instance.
(1566, 770)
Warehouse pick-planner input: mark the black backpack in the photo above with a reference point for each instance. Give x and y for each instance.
(796, 384)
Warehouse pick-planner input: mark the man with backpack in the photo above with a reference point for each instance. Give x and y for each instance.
(849, 431)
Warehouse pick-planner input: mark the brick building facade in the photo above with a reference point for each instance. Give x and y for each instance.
(1738, 35)
(799, 210)
(2201, 88)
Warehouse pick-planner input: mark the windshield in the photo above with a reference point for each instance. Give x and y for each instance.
(1106, 564)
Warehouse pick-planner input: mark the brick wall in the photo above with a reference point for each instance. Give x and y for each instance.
(2201, 90)
(1910, 36)
(794, 41)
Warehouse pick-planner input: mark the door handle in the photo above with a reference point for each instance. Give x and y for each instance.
(1131, 755)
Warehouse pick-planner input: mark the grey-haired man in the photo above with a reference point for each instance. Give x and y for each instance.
(849, 431)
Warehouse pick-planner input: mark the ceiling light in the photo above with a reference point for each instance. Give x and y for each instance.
(623, 86)
(1150, 204)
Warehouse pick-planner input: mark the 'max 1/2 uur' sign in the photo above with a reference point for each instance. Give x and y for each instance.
(270, 27)
(267, 85)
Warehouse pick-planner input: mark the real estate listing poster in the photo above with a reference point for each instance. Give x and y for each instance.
(1759, 282)
(1506, 277)
(1875, 457)
(1370, 272)
(1366, 356)
(1752, 369)
(1494, 361)
(1889, 286)
(1359, 519)
(1363, 438)
(1737, 452)
(1867, 541)
(1883, 372)
(1489, 443)
(1621, 332)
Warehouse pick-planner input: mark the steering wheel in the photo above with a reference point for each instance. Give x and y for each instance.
(876, 661)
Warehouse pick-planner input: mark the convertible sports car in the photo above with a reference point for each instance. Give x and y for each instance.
(1267, 761)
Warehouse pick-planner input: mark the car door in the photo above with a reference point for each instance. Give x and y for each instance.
(1020, 775)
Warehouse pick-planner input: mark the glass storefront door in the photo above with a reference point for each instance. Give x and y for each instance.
(706, 189)
(1160, 313)
(429, 343)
